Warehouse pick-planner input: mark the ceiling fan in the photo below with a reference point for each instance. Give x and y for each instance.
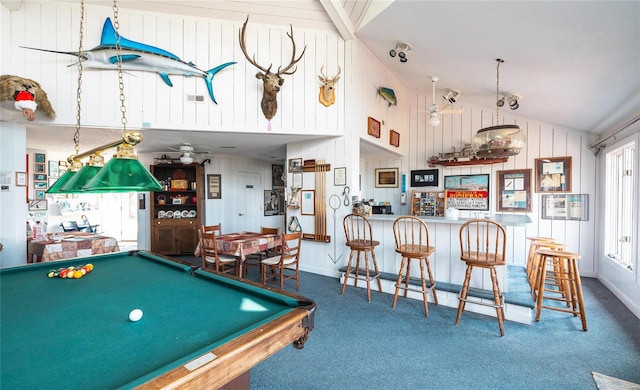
(434, 110)
(188, 151)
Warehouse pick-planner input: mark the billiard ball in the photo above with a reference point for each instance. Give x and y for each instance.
(135, 315)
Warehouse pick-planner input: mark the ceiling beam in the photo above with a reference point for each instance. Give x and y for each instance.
(339, 18)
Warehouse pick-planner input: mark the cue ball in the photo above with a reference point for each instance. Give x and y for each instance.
(135, 315)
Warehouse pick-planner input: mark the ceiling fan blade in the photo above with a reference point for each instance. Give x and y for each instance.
(443, 106)
(460, 111)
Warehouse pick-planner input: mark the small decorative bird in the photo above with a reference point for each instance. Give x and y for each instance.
(26, 95)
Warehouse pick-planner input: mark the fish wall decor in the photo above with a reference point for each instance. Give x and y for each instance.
(139, 56)
(388, 95)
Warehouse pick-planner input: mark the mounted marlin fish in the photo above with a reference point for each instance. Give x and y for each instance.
(139, 56)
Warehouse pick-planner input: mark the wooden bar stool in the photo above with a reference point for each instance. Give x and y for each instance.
(483, 244)
(532, 253)
(357, 230)
(412, 242)
(567, 275)
(536, 264)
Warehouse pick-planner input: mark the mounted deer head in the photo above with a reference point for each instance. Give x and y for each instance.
(271, 82)
(327, 90)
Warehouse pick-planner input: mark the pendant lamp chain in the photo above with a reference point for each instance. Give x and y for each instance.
(499, 61)
(76, 136)
(123, 109)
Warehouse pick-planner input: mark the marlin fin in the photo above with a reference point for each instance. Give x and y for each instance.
(126, 57)
(109, 37)
(209, 78)
(165, 78)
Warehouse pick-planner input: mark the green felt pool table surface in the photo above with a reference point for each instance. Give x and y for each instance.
(76, 333)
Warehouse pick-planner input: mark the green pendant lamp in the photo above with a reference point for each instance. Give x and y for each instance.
(123, 173)
(56, 188)
(82, 177)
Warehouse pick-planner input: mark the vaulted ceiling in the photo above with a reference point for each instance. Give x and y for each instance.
(574, 63)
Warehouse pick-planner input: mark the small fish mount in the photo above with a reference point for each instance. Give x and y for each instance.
(388, 95)
(271, 82)
(328, 88)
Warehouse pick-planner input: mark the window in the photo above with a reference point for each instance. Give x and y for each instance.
(619, 201)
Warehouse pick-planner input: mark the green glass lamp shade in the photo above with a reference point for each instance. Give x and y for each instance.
(80, 179)
(64, 179)
(123, 175)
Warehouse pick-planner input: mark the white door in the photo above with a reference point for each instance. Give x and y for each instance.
(248, 195)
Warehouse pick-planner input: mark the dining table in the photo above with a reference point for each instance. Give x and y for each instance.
(69, 245)
(243, 244)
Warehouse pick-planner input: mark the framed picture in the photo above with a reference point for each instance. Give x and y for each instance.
(424, 178)
(386, 177)
(214, 186)
(296, 181)
(40, 194)
(553, 174)
(53, 168)
(37, 204)
(295, 165)
(514, 190)
(565, 206)
(40, 177)
(394, 138)
(277, 176)
(21, 179)
(40, 158)
(40, 168)
(373, 127)
(340, 176)
(467, 192)
(308, 202)
(271, 203)
(40, 185)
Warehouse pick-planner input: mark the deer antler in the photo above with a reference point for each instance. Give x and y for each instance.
(243, 46)
(293, 56)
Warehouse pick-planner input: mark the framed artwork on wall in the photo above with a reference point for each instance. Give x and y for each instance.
(295, 165)
(514, 190)
(467, 192)
(277, 176)
(394, 138)
(214, 186)
(386, 177)
(373, 127)
(340, 176)
(424, 178)
(553, 174)
(565, 206)
(21, 179)
(308, 202)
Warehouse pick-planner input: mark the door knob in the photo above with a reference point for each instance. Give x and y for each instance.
(241, 214)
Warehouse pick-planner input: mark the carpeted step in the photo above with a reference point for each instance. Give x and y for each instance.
(518, 292)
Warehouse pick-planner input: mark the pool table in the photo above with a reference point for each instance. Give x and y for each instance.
(199, 329)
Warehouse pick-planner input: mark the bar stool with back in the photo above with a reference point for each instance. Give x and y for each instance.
(357, 230)
(412, 242)
(483, 244)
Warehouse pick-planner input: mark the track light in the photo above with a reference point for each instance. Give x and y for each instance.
(401, 50)
(511, 100)
(451, 96)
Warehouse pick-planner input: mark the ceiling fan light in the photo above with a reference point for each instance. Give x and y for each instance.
(434, 120)
(186, 159)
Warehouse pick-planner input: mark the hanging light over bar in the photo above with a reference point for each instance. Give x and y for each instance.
(76, 165)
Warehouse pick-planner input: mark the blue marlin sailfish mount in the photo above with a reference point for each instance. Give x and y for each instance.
(271, 82)
(139, 56)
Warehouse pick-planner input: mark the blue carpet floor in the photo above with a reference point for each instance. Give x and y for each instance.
(361, 345)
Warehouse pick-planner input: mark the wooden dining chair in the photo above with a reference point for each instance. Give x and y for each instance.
(256, 258)
(217, 229)
(285, 265)
(483, 244)
(209, 254)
